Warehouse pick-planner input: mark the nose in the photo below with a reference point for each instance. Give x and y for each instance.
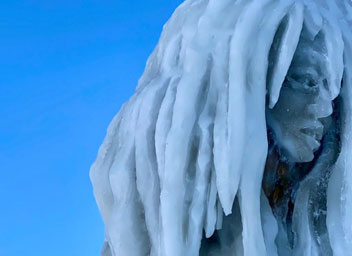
(320, 109)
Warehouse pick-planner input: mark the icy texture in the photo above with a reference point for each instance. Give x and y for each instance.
(237, 140)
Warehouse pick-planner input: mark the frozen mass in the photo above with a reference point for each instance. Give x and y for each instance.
(238, 138)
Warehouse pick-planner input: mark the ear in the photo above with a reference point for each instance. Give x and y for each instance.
(282, 50)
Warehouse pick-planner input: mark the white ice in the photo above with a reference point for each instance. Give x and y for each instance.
(180, 170)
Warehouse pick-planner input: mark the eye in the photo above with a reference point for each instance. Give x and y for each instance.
(312, 84)
(309, 82)
(303, 84)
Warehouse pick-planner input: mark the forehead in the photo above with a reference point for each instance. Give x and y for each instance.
(309, 60)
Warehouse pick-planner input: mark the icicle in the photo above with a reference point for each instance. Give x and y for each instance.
(285, 51)
(146, 169)
(211, 207)
(339, 192)
(126, 226)
(270, 228)
(197, 212)
(178, 147)
(99, 172)
(313, 21)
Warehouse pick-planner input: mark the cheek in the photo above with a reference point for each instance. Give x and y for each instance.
(293, 105)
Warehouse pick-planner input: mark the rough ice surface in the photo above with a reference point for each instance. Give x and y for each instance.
(237, 140)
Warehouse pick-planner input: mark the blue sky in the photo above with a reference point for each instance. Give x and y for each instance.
(66, 66)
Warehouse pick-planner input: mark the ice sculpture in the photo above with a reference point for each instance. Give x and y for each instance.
(237, 140)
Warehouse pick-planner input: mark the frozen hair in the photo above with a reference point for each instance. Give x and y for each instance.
(187, 152)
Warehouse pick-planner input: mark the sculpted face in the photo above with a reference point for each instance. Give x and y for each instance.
(302, 113)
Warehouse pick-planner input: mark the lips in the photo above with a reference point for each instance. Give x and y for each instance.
(315, 132)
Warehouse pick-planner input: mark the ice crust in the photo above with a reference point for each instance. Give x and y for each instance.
(181, 168)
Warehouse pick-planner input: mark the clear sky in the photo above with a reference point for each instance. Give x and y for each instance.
(66, 66)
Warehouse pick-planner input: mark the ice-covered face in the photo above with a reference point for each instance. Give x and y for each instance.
(302, 113)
